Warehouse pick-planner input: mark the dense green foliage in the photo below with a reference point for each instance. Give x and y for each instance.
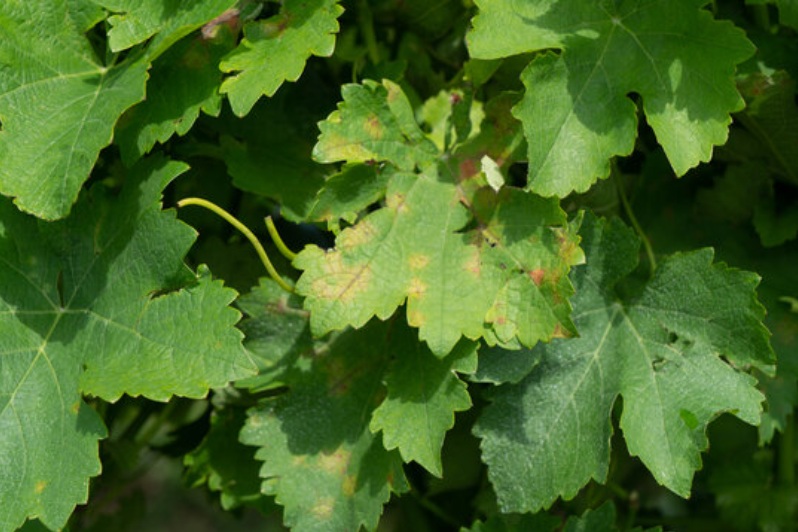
(544, 254)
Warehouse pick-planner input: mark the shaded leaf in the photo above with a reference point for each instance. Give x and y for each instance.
(548, 435)
(321, 461)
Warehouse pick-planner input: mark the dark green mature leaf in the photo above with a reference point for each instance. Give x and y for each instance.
(268, 154)
(276, 49)
(424, 392)
(58, 102)
(82, 311)
(576, 110)
(321, 461)
(506, 279)
(183, 81)
(549, 434)
(224, 464)
(168, 21)
(772, 117)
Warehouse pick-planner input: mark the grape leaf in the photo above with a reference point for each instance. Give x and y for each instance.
(320, 459)
(348, 192)
(58, 104)
(276, 49)
(375, 122)
(96, 304)
(506, 279)
(576, 110)
(423, 394)
(224, 464)
(661, 351)
(183, 82)
(169, 21)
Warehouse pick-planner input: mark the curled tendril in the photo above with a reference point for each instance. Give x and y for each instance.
(264, 257)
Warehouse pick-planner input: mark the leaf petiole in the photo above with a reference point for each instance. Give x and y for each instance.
(232, 220)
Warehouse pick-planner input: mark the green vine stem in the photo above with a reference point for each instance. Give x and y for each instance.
(281, 247)
(627, 208)
(232, 220)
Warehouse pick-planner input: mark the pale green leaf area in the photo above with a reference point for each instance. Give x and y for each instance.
(424, 392)
(276, 49)
(98, 304)
(674, 353)
(577, 112)
(374, 122)
(506, 279)
(58, 103)
(320, 460)
(135, 21)
(183, 82)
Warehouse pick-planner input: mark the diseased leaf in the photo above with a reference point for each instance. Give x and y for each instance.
(375, 122)
(321, 462)
(100, 304)
(548, 435)
(58, 103)
(576, 110)
(505, 279)
(135, 21)
(276, 49)
(424, 392)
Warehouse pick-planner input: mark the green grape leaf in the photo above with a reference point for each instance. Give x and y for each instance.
(661, 350)
(137, 20)
(276, 49)
(375, 122)
(321, 462)
(99, 303)
(348, 192)
(788, 13)
(183, 82)
(505, 279)
(58, 103)
(576, 110)
(602, 519)
(424, 392)
(772, 118)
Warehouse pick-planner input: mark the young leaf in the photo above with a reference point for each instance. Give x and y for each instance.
(275, 50)
(548, 435)
(576, 111)
(58, 104)
(321, 462)
(81, 311)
